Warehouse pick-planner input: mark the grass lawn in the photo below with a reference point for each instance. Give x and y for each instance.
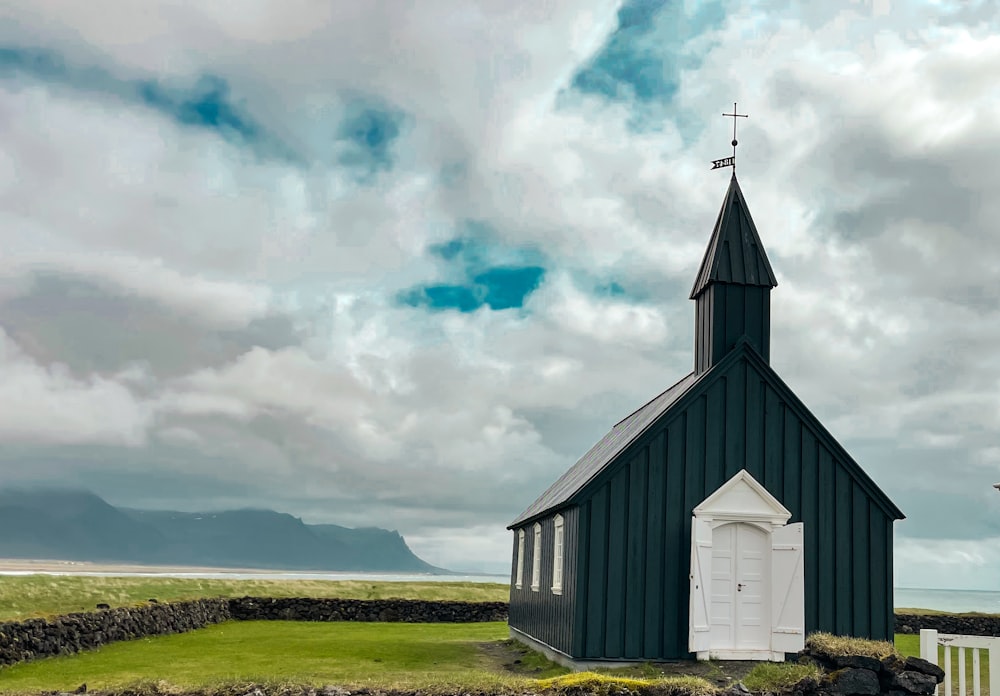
(379, 654)
(24, 596)
(419, 656)
(910, 645)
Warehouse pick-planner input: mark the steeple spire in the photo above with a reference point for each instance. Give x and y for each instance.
(733, 285)
(735, 253)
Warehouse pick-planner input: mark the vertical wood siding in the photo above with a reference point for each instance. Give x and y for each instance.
(546, 616)
(633, 585)
(726, 313)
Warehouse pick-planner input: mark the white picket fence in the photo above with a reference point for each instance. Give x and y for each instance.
(931, 639)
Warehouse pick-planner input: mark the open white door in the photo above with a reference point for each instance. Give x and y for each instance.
(699, 627)
(788, 612)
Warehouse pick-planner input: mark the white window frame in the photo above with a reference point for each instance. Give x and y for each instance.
(536, 559)
(520, 559)
(558, 543)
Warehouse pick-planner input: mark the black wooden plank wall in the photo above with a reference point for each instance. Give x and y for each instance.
(726, 313)
(543, 615)
(635, 527)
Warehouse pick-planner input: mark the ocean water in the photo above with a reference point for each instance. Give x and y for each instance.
(948, 600)
(265, 575)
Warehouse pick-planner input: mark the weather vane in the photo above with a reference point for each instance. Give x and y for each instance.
(730, 161)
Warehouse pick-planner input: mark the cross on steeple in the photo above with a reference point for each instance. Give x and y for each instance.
(730, 161)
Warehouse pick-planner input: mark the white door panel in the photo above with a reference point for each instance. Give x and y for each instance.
(738, 612)
(699, 629)
(788, 620)
(723, 610)
(752, 618)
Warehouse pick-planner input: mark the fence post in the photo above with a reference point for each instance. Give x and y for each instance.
(928, 645)
(995, 667)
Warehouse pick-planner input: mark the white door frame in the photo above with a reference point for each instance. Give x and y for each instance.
(740, 500)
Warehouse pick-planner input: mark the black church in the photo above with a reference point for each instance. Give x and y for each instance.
(721, 519)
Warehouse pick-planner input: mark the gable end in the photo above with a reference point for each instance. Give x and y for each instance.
(823, 435)
(744, 353)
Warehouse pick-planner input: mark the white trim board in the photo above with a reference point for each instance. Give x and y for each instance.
(742, 499)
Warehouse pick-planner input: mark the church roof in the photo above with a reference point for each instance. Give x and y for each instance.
(735, 253)
(609, 447)
(629, 430)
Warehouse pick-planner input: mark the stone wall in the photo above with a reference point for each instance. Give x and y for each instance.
(34, 638)
(967, 624)
(404, 610)
(860, 675)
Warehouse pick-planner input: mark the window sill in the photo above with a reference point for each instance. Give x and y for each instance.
(557, 590)
(535, 588)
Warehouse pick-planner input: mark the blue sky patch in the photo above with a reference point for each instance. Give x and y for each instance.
(627, 61)
(460, 297)
(486, 272)
(205, 103)
(448, 250)
(507, 288)
(479, 246)
(497, 288)
(43, 65)
(366, 134)
(642, 60)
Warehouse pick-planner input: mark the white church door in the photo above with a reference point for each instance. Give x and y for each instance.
(739, 599)
(747, 599)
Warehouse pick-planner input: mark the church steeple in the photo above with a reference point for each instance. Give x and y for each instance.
(733, 286)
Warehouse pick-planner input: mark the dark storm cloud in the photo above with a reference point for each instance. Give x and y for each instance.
(92, 327)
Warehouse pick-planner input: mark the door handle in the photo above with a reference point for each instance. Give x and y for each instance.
(739, 587)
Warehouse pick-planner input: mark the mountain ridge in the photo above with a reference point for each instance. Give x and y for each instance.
(78, 525)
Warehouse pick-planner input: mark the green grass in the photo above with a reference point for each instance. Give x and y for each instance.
(600, 684)
(25, 596)
(830, 644)
(910, 645)
(936, 612)
(532, 662)
(348, 653)
(385, 655)
(772, 677)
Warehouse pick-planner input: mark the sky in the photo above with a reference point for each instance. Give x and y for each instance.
(401, 264)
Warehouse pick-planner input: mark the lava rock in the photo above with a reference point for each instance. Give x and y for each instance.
(914, 682)
(917, 664)
(851, 680)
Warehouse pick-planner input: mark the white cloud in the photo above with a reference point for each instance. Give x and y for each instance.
(866, 163)
(933, 563)
(221, 304)
(44, 404)
(606, 320)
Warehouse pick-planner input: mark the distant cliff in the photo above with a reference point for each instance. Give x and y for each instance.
(80, 526)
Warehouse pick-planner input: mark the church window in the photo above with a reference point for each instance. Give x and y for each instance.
(557, 556)
(536, 559)
(520, 559)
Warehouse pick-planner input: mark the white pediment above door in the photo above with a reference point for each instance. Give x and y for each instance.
(742, 498)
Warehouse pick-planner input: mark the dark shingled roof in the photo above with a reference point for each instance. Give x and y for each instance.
(609, 447)
(735, 253)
